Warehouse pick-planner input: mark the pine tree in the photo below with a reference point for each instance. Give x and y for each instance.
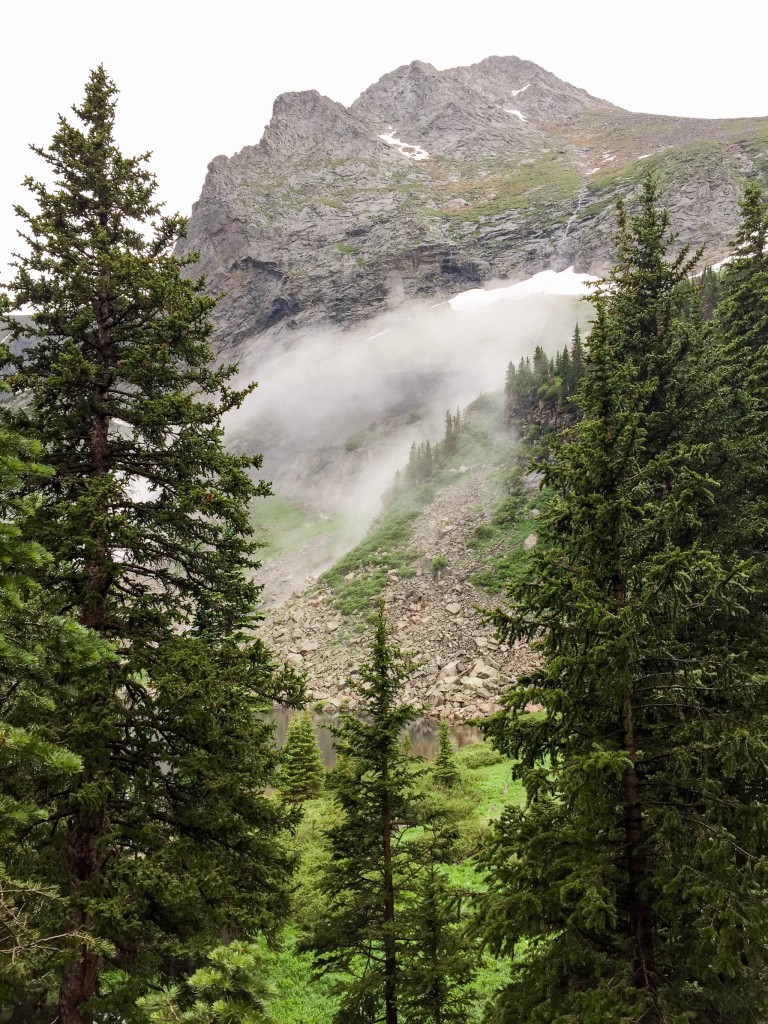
(302, 773)
(374, 785)
(229, 989)
(165, 837)
(735, 405)
(444, 767)
(36, 645)
(709, 292)
(450, 440)
(441, 959)
(637, 870)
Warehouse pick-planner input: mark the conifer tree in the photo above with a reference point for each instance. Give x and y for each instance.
(440, 963)
(735, 403)
(302, 773)
(637, 870)
(374, 784)
(165, 837)
(229, 989)
(36, 645)
(444, 767)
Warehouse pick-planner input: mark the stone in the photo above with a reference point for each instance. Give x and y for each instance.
(453, 608)
(295, 660)
(530, 541)
(331, 627)
(449, 669)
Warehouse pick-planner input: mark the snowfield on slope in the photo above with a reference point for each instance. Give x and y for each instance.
(548, 282)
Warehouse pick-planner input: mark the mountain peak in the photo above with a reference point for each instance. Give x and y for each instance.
(307, 122)
(434, 181)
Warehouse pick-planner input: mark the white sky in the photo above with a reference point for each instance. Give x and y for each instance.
(198, 79)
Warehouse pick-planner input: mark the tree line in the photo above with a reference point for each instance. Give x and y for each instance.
(141, 846)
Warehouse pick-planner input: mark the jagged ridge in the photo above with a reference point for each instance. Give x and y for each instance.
(325, 220)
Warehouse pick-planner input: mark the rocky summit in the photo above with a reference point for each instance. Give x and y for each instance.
(437, 181)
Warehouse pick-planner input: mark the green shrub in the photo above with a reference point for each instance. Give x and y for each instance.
(437, 565)
(480, 755)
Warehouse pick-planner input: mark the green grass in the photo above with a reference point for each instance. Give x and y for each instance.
(501, 539)
(385, 549)
(299, 997)
(282, 526)
(548, 178)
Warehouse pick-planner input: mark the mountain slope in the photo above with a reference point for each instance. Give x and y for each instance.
(435, 181)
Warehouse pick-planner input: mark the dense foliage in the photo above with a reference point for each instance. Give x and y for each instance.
(390, 924)
(636, 874)
(302, 774)
(165, 836)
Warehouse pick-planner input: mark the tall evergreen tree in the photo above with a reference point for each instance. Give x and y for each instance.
(636, 873)
(302, 774)
(736, 405)
(440, 961)
(36, 645)
(374, 784)
(165, 836)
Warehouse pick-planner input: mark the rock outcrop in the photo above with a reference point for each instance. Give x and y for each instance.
(461, 668)
(436, 181)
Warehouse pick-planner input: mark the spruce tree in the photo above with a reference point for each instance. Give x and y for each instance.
(374, 785)
(229, 989)
(735, 405)
(36, 646)
(444, 767)
(636, 873)
(302, 773)
(165, 837)
(440, 960)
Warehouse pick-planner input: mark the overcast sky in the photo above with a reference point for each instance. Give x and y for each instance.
(198, 79)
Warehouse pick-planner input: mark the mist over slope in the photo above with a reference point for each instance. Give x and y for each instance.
(336, 412)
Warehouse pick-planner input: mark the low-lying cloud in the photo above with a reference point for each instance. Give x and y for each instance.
(332, 389)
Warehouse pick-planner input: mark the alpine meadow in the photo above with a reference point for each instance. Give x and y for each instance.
(463, 716)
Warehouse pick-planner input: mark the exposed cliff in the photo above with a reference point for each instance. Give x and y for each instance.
(435, 181)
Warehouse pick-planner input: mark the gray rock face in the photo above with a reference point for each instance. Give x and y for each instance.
(491, 171)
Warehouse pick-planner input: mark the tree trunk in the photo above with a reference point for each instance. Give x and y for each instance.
(640, 910)
(390, 950)
(79, 979)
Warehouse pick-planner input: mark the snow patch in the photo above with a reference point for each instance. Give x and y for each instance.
(607, 157)
(548, 282)
(516, 92)
(644, 156)
(517, 114)
(412, 152)
(722, 263)
(593, 171)
(379, 335)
